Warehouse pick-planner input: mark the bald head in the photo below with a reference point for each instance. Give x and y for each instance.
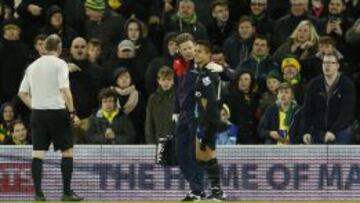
(78, 49)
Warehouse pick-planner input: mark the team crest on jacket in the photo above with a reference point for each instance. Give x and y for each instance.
(206, 81)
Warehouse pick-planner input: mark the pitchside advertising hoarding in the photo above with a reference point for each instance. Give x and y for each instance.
(247, 173)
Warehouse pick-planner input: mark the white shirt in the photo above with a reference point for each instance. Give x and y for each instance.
(43, 80)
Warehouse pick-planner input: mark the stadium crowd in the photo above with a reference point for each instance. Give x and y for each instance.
(290, 68)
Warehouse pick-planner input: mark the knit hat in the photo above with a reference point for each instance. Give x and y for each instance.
(97, 5)
(274, 74)
(290, 62)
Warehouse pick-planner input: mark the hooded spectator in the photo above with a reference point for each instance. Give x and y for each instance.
(55, 24)
(167, 59)
(273, 80)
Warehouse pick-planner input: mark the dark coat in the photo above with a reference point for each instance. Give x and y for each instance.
(13, 59)
(158, 115)
(237, 50)
(243, 114)
(85, 85)
(301, 54)
(286, 25)
(334, 112)
(270, 122)
(121, 125)
(259, 69)
(137, 117)
(66, 33)
(218, 35)
(175, 24)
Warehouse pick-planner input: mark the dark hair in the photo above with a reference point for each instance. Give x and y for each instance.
(327, 40)
(184, 37)
(53, 43)
(263, 37)
(333, 54)
(217, 50)
(107, 93)
(95, 42)
(245, 18)
(119, 72)
(41, 37)
(215, 3)
(285, 85)
(206, 44)
(16, 122)
(253, 85)
(165, 72)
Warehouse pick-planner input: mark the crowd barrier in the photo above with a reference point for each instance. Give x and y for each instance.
(247, 173)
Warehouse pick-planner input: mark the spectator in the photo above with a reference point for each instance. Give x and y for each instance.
(336, 24)
(353, 34)
(290, 67)
(286, 25)
(131, 102)
(312, 67)
(220, 27)
(259, 62)
(159, 108)
(273, 80)
(329, 106)
(318, 8)
(13, 58)
(353, 8)
(238, 46)
(19, 134)
(280, 123)
(38, 49)
(94, 51)
(243, 102)
(145, 51)
(7, 115)
(167, 59)
(109, 125)
(55, 25)
(303, 43)
(227, 131)
(103, 25)
(86, 80)
(33, 15)
(186, 21)
(259, 15)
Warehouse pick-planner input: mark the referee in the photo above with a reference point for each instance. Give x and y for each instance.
(45, 89)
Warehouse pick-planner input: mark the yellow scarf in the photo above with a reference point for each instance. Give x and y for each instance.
(109, 116)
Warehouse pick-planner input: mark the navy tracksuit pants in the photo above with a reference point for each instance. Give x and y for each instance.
(190, 168)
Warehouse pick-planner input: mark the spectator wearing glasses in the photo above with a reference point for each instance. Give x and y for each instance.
(329, 106)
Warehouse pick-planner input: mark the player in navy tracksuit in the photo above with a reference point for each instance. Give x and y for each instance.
(185, 78)
(207, 116)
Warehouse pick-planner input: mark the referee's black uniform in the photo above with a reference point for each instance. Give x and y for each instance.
(41, 89)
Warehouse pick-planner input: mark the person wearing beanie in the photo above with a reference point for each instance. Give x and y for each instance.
(13, 60)
(280, 122)
(108, 27)
(273, 80)
(291, 68)
(227, 131)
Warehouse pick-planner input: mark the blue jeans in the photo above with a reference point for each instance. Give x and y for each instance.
(192, 171)
(342, 137)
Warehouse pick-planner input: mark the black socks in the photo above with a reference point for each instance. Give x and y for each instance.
(36, 172)
(212, 169)
(66, 171)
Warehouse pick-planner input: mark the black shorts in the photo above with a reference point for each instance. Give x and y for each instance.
(209, 135)
(51, 126)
